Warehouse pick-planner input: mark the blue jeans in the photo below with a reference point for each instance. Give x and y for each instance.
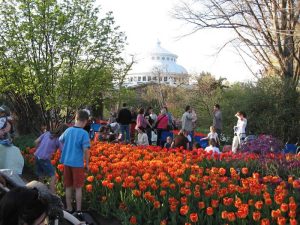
(125, 128)
(191, 133)
(44, 167)
(149, 134)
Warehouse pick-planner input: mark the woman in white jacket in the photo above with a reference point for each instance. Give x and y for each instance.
(239, 130)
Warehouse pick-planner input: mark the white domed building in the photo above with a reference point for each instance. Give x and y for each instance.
(159, 66)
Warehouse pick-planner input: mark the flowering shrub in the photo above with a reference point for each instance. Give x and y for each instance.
(262, 144)
(149, 185)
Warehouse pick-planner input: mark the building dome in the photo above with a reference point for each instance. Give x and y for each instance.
(159, 65)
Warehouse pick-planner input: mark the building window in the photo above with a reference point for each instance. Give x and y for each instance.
(139, 78)
(163, 58)
(149, 78)
(131, 79)
(154, 78)
(157, 58)
(165, 79)
(160, 79)
(144, 78)
(153, 58)
(168, 58)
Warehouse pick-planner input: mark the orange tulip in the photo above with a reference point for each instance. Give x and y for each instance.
(292, 214)
(162, 193)
(133, 220)
(89, 188)
(259, 204)
(209, 211)
(184, 210)
(276, 213)
(156, 204)
(214, 203)
(290, 180)
(268, 201)
(292, 206)
(281, 220)
(255, 175)
(194, 217)
(245, 170)
(231, 216)
(201, 205)
(184, 200)
(265, 221)
(224, 215)
(90, 179)
(60, 167)
(222, 171)
(296, 184)
(136, 193)
(293, 222)
(227, 201)
(173, 207)
(256, 215)
(284, 207)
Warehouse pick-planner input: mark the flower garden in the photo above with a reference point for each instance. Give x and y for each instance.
(150, 185)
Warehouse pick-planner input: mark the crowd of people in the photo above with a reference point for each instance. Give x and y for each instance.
(126, 126)
(141, 126)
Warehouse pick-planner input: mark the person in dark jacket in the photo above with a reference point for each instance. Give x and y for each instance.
(124, 119)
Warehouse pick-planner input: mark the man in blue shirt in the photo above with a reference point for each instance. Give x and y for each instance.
(76, 149)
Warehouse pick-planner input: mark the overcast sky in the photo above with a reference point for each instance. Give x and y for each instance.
(146, 21)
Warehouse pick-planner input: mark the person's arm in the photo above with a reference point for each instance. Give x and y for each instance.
(62, 137)
(238, 116)
(87, 158)
(172, 145)
(194, 115)
(39, 139)
(188, 145)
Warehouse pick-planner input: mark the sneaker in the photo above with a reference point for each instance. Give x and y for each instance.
(79, 215)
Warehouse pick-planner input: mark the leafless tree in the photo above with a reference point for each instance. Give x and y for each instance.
(267, 30)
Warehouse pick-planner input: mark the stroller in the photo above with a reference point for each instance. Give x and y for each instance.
(57, 216)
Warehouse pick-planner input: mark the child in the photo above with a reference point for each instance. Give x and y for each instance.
(103, 133)
(212, 146)
(76, 148)
(168, 142)
(212, 135)
(142, 137)
(46, 145)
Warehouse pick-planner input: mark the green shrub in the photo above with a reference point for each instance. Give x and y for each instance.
(25, 141)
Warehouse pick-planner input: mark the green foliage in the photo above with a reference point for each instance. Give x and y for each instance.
(272, 105)
(25, 141)
(60, 55)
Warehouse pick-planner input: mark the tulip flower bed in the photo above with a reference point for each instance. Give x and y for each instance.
(150, 185)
